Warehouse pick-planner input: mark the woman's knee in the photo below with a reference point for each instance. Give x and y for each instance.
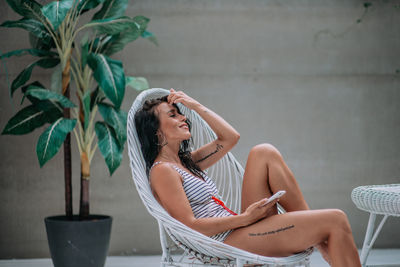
(265, 151)
(340, 220)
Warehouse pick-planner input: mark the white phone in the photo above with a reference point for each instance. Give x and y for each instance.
(275, 196)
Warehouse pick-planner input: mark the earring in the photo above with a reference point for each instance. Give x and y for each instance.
(164, 141)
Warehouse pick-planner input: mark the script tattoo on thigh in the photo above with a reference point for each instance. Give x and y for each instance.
(218, 148)
(273, 231)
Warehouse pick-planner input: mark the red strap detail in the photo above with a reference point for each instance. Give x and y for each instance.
(219, 202)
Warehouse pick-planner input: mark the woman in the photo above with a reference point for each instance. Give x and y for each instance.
(184, 190)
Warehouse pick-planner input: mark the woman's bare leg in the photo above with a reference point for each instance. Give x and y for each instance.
(266, 173)
(285, 234)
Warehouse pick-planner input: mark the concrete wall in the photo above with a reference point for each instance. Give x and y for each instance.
(301, 75)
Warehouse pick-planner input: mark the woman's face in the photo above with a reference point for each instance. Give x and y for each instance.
(172, 124)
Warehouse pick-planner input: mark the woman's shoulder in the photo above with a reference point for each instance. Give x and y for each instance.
(163, 175)
(162, 169)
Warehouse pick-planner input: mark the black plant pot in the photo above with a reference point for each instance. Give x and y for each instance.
(76, 243)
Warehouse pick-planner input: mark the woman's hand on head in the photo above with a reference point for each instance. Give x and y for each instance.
(259, 210)
(180, 97)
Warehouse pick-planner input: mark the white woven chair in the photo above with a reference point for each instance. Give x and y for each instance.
(229, 173)
(377, 200)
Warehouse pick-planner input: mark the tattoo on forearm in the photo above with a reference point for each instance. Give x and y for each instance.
(273, 231)
(218, 148)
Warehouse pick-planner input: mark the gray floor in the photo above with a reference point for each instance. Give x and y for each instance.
(383, 257)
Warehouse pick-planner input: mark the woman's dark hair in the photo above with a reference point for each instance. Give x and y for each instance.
(147, 125)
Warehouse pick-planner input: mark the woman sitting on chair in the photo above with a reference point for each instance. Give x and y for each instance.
(184, 190)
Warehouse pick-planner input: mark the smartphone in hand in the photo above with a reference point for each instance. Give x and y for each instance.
(275, 196)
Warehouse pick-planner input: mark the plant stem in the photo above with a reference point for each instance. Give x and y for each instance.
(67, 145)
(85, 174)
(67, 175)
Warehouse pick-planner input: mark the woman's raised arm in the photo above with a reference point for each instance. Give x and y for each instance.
(227, 136)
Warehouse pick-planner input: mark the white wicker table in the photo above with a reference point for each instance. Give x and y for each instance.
(377, 200)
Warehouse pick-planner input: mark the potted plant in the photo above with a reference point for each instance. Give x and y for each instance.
(77, 52)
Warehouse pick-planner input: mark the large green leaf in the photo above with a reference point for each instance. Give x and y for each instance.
(56, 80)
(25, 7)
(28, 51)
(115, 118)
(52, 138)
(22, 78)
(25, 75)
(96, 97)
(84, 53)
(25, 121)
(137, 83)
(48, 63)
(41, 43)
(31, 25)
(25, 88)
(142, 21)
(118, 41)
(53, 109)
(56, 12)
(109, 146)
(109, 74)
(85, 5)
(44, 94)
(150, 36)
(111, 26)
(111, 8)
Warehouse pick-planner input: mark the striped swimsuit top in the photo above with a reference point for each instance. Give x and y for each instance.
(204, 198)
